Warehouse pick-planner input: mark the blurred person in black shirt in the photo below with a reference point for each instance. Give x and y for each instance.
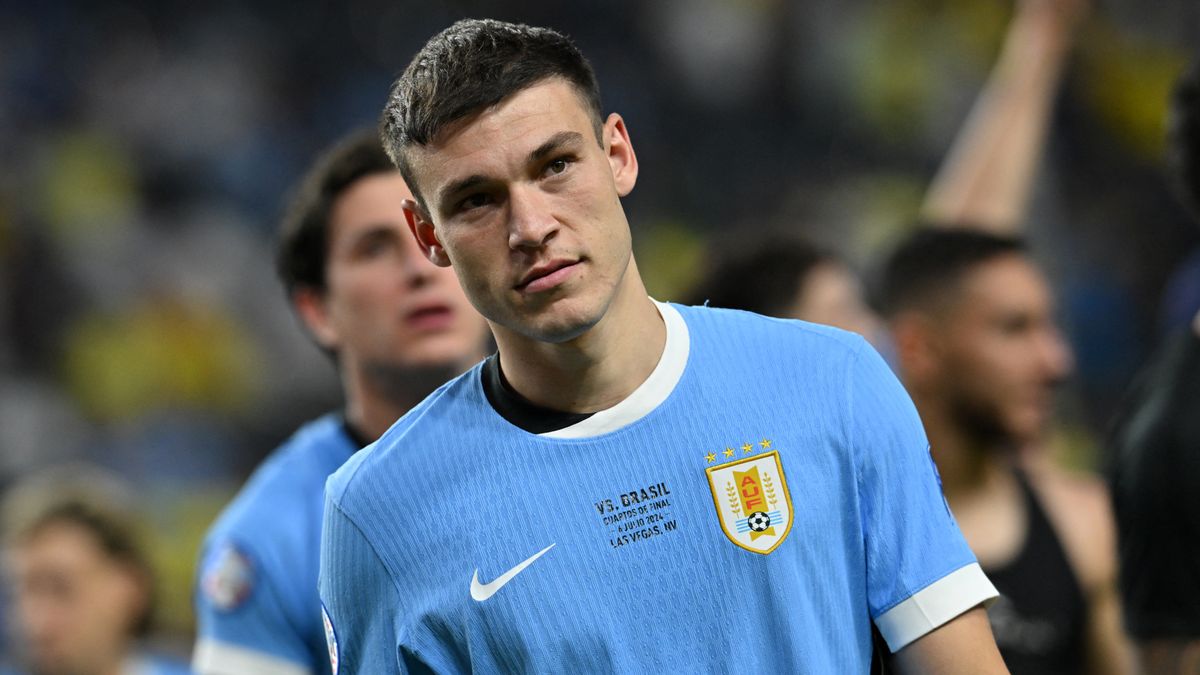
(1155, 460)
(977, 347)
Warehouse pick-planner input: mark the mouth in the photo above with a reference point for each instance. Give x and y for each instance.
(429, 317)
(546, 276)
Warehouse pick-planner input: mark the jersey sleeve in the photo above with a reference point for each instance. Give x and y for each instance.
(242, 626)
(920, 572)
(358, 598)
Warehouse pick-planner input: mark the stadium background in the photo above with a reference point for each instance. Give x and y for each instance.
(145, 149)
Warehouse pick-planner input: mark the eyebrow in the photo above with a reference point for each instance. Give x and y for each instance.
(457, 187)
(554, 143)
(351, 242)
(372, 230)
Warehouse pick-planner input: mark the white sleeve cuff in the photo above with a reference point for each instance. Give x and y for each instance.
(221, 658)
(935, 605)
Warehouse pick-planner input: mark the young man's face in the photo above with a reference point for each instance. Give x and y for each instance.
(524, 202)
(1000, 351)
(75, 606)
(384, 305)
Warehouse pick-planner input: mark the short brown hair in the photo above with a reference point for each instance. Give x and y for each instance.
(472, 65)
(931, 262)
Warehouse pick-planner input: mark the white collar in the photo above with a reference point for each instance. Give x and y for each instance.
(650, 393)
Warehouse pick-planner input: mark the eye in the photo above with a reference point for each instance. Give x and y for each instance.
(475, 201)
(558, 166)
(373, 244)
(1016, 325)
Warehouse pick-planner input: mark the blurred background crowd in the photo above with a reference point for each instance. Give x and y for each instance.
(146, 149)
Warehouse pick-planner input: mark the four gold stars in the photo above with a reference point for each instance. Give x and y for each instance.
(746, 449)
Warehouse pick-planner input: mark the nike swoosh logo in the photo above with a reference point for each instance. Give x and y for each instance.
(481, 592)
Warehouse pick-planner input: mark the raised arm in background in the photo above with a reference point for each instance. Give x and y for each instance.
(986, 178)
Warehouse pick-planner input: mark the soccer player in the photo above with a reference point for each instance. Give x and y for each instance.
(397, 326)
(1155, 462)
(977, 346)
(627, 486)
(83, 586)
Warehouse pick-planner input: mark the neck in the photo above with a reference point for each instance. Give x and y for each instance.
(597, 369)
(965, 462)
(377, 395)
(370, 416)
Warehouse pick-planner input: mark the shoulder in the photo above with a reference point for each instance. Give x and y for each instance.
(738, 326)
(1079, 507)
(428, 418)
(1152, 434)
(821, 360)
(295, 471)
(290, 481)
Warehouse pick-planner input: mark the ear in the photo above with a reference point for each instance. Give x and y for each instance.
(310, 304)
(421, 226)
(620, 154)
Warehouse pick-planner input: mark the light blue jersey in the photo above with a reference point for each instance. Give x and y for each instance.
(256, 595)
(763, 497)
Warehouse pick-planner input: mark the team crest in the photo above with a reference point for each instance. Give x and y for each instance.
(752, 501)
(330, 639)
(228, 578)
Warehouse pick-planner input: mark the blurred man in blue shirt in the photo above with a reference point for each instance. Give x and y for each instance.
(396, 326)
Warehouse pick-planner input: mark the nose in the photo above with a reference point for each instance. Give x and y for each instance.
(530, 223)
(1054, 353)
(417, 269)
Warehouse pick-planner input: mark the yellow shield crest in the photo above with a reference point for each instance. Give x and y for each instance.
(753, 502)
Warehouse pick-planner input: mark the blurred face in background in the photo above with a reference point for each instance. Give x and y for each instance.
(384, 305)
(997, 351)
(832, 294)
(76, 606)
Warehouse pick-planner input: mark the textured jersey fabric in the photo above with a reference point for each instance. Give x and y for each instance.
(256, 597)
(1040, 618)
(754, 510)
(1155, 476)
